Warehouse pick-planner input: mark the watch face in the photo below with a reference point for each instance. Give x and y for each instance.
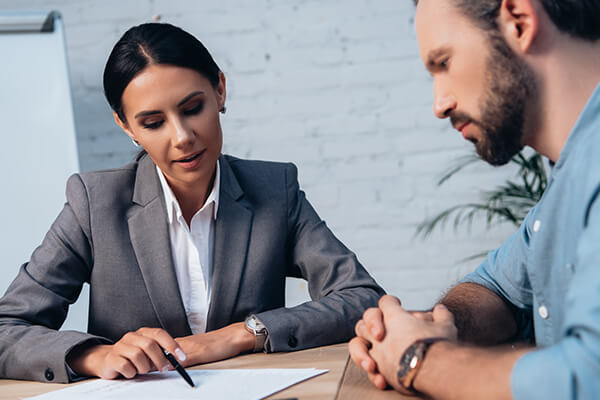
(408, 361)
(255, 324)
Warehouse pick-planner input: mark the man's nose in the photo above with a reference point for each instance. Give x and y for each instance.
(443, 103)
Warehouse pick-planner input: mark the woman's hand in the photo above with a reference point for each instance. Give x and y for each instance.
(216, 345)
(135, 353)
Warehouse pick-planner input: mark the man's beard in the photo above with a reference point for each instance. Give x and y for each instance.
(510, 88)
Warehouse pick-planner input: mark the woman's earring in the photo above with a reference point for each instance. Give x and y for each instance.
(135, 143)
(223, 110)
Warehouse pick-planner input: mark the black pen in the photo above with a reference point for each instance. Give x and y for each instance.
(179, 368)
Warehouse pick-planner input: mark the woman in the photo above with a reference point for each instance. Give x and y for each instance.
(184, 249)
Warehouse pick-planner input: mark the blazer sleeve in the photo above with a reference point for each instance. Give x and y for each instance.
(35, 304)
(340, 288)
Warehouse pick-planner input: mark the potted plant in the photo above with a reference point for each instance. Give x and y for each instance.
(509, 202)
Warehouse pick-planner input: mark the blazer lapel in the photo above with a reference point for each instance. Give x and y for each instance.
(232, 234)
(149, 235)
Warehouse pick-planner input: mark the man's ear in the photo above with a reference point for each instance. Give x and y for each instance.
(519, 22)
(124, 126)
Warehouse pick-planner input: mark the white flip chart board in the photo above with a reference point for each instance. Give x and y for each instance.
(38, 149)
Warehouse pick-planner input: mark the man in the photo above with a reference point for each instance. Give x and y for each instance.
(509, 73)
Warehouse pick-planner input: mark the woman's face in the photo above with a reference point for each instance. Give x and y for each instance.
(173, 113)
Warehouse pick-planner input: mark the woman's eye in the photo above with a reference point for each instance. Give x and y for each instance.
(152, 125)
(194, 109)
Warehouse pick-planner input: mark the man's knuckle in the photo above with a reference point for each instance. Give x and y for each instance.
(370, 314)
(358, 327)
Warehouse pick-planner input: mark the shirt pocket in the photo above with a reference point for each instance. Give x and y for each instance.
(564, 276)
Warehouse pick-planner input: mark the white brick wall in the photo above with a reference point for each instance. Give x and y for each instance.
(337, 87)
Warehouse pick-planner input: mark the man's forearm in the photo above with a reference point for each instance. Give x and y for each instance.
(480, 316)
(455, 371)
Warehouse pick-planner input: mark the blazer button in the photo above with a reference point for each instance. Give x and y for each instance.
(49, 374)
(292, 341)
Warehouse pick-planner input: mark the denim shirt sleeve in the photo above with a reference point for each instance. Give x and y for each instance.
(504, 272)
(570, 369)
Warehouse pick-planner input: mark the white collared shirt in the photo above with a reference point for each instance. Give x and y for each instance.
(192, 249)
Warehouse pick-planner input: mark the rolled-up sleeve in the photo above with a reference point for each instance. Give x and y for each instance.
(504, 272)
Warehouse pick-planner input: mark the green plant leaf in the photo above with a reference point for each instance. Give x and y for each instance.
(509, 202)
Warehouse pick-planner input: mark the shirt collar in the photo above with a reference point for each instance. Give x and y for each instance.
(586, 122)
(172, 204)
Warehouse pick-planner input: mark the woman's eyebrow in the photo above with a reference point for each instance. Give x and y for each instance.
(152, 112)
(146, 113)
(189, 96)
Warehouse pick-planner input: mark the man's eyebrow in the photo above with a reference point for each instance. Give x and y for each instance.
(434, 55)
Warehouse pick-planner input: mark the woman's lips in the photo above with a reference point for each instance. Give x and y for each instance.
(191, 161)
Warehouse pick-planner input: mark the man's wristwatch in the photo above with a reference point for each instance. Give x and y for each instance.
(254, 326)
(411, 361)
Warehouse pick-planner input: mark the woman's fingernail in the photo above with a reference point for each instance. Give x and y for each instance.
(365, 365)
(180, 354)
(164, 369)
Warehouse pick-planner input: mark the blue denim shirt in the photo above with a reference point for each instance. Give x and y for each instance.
(549, 271)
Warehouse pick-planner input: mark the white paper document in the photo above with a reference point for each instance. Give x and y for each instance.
(231, 384)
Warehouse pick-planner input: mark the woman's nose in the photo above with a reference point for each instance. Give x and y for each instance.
(182, 135)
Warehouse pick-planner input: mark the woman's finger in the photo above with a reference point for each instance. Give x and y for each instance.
(117, 363)
(154, 352)
(135, 354)
(165, 341)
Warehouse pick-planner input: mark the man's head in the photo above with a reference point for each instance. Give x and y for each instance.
(578, 18)
(476, 52)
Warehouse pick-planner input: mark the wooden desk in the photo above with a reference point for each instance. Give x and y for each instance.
(343, 381)
(355, 385)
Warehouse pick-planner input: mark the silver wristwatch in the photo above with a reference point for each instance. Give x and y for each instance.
(254, 326)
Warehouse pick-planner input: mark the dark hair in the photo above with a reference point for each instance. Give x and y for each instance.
(153, 43)
(578, 18)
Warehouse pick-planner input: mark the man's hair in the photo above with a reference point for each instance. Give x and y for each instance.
(578, 18)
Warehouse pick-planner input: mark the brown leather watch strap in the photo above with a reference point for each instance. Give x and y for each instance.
(412, 360)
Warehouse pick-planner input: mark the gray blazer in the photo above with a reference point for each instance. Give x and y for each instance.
(113, 233)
